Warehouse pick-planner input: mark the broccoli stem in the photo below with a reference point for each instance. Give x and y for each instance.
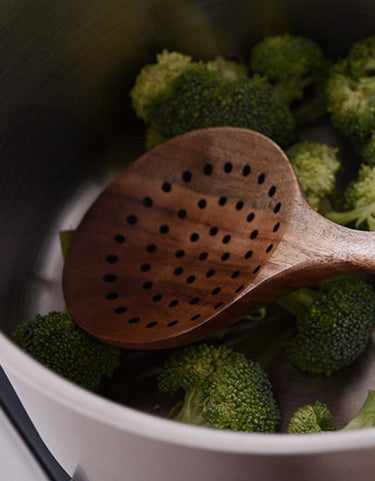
(291, 89)
(366, 416)
(192, 406)
(297, 302)
(258, 315)
(310, 112)
(360, 215)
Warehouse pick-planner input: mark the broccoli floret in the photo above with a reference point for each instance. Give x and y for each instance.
(177, 95)
(223, 389)
(199, 98)
(316, 418)
(58, 343)
(316, 166)
(298, 71)
(155, 78)
(334, 322)
(351, 93)
(311, 419)
(359, 204)
(187, 105)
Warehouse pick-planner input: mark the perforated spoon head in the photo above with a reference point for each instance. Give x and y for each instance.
(186, 240)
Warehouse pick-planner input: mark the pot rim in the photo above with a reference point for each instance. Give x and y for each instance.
(36, 376)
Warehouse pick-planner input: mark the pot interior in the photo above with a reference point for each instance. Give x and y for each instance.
(67, 128)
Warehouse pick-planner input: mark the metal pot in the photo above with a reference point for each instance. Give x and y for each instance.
(66, 129)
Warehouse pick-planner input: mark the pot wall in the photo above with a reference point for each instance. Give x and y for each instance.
(66, 70)
(92, 450)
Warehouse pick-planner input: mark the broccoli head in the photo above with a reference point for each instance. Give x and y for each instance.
(154, 78)
(199, 98)
(351, 93)
(316, 166)
(223, 389)
(334, 322)
(316, 418)
(298, 71)
(58, 343)
(310, 419)
(359, 204)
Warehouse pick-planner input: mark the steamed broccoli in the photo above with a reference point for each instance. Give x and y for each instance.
(298, 71)
(334, 324)
(359, 205)
(351, 93)
(199, 98)
(315, 165)
(223, 389)
(156, 78)
(58, 343)
(316, 418)
(186, 95)
(310, 419)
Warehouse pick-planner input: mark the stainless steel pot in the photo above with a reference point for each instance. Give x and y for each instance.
(66, 129)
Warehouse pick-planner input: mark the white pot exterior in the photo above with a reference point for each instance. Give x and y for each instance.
(97, 440)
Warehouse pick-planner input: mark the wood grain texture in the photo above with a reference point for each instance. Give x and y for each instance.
(196, 233)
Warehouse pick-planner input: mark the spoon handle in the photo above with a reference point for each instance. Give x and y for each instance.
(313, 249)
(316, 249)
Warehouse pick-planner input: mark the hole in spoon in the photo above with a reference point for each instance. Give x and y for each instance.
(166, 187)
(151, 324)
(246, 170)
(119, 239)
(207, 169)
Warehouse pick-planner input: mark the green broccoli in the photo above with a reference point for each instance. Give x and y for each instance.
(316, 418)
(359, 204)
(223, 389)
(351, 93)
(58, 343)
(154, 78)
(315, 165)
(298, 71)
(199, 98)
(334, 322)
(177, 95)
(310, 419)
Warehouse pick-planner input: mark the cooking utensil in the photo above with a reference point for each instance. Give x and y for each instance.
(196, 233)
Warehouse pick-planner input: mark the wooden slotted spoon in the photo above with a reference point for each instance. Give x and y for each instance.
(196, 233)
